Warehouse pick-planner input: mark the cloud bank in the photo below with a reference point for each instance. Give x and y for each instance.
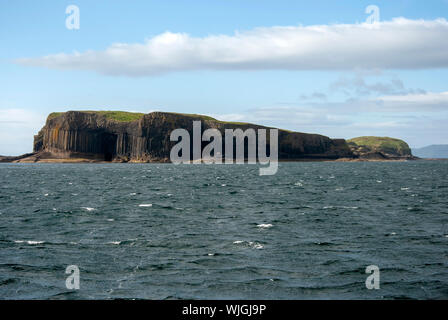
(419, 118)
(397, 44)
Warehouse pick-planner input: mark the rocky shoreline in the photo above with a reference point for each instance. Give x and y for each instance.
(67, 161)
(40, 158)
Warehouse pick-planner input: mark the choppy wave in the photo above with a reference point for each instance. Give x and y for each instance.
(308, 232)
(250, 244)
(265, 225)
(31, 242)
(340, 207)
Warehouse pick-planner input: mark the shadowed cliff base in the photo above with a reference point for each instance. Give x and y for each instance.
(115, 136)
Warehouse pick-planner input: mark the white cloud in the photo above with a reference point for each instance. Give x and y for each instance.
(397, 44)
(358, 86)
(419, 119)
(421, 102)
(19, 116)
(430, 98)
(17, 128)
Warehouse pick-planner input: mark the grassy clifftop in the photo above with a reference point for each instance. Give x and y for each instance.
(123, 116)
(384, 145)
(120, 116)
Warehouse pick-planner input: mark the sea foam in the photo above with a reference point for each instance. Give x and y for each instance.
(29, 242)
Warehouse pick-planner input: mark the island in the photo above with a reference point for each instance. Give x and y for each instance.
(434, 152)
(380, 148)
(117, 136)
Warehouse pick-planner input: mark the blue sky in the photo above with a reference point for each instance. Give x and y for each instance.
(385, 93)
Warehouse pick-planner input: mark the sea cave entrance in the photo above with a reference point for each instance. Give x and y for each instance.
(109, 143)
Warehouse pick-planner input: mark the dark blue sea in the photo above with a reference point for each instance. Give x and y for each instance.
(164, 231)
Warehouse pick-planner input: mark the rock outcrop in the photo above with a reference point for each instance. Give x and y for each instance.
(123, 137)
(16, 158)
(380, 148)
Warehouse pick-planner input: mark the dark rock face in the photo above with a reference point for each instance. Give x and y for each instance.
(89, 135)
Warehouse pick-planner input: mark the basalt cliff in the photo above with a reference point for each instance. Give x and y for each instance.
(89, 136)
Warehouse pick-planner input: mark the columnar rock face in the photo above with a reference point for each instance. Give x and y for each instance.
(97, 136)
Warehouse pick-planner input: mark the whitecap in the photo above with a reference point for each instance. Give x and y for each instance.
(145, 205)
(252, 244)
(256, 245)
(265, 225)
(88, 208)
(299, 184)
(132, 194)
(339, 207)
(379, 181)
(46, 195)
(35, 242)
(404, 189)
(114, 242)
(29, 242)
(223, 185)
(110, 219)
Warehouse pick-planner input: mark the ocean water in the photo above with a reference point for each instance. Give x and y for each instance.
(161, 231)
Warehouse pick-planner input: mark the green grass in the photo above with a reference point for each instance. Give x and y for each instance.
(203, 117)
(234, 123)
(192, 115)
(54, 115)
(384, 144)
(121, 116)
